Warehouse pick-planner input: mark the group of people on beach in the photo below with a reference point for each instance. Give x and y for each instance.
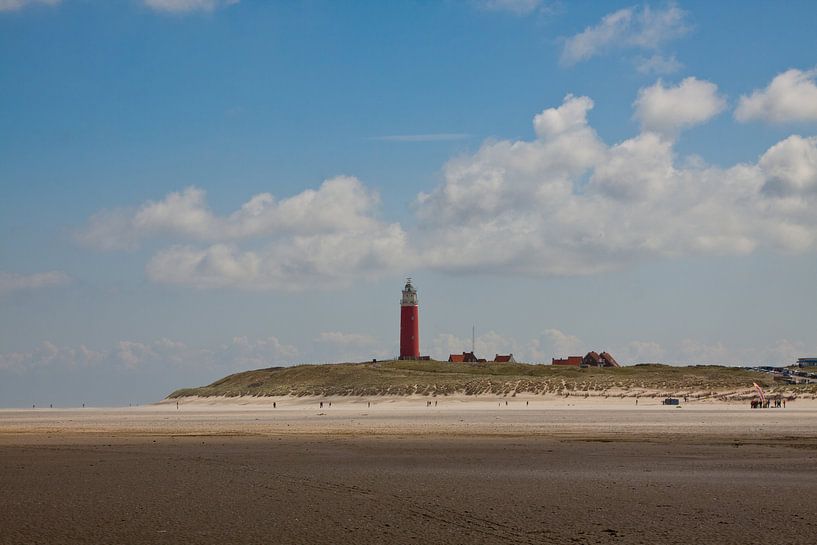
(776, 403)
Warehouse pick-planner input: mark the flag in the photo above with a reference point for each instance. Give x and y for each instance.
(760, 392)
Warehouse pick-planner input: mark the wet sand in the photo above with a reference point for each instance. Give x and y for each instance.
(408, 474)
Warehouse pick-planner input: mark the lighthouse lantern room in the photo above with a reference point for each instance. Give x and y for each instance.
(409, 324)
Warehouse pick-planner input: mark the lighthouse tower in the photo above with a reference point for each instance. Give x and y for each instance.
(409, 324)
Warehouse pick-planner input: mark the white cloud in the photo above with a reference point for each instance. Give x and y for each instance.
(516, 7)
(345, 339)
(562, 203)
(791, 96)
(563, 344)
(565, 203)
(13, 5)
(330, 234)
(187, 6)
(790, 167)
(10, 282)
(49, 355)
(240, 353)
(641, 352)
(635, 170)
(668, 109)
(505, 175)
(340, 204)
(658, 64)
(301, 262)
(628, 28)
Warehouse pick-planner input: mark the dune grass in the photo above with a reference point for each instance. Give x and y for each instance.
(443, 378)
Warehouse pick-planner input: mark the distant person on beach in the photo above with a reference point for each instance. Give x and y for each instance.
(321, 405)
(177, 405)
(274, 405)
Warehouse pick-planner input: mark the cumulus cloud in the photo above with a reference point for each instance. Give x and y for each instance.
(565, 203)
(790, 167)
(628, 28)
(563, 344)
(328, 234)
(791, 96)
(562, 203)
(304, 261)
(669, 109)
(10, 282)
(14, 5)
(187, 6)
(339, 204)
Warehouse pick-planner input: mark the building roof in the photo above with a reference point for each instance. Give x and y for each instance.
(504, 359)
(593, 358)
(609, 360)
(570, 360)
(465, 357)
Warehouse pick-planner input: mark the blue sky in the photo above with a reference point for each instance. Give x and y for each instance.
(194, 187)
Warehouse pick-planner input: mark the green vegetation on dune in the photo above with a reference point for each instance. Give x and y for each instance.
(443, 378)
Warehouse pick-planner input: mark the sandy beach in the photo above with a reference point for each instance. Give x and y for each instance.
(465, 471)
(524, 416)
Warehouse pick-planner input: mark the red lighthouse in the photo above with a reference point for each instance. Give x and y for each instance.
(409, 324)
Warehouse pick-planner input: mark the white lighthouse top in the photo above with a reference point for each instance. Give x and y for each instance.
(409, 294)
